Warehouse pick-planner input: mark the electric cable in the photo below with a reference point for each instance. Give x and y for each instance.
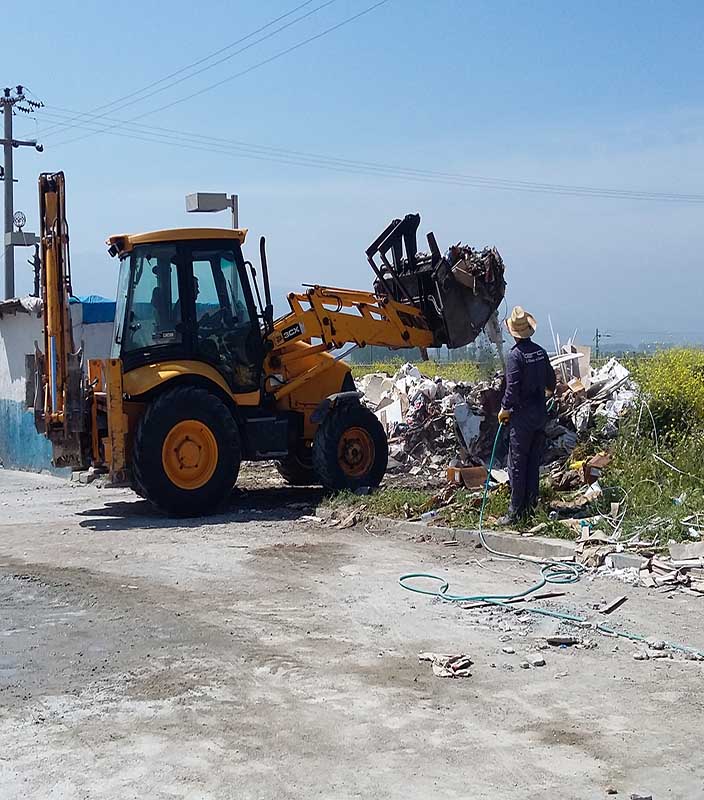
(249, 69)
(120, 101)
(384, 169)
(295, 158)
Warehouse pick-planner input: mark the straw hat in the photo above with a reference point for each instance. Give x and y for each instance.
(521, 324)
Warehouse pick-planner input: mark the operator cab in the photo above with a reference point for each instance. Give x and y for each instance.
(185, 295)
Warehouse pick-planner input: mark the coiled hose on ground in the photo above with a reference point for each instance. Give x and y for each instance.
(551, 572)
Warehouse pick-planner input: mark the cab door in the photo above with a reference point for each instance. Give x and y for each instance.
(224, 320)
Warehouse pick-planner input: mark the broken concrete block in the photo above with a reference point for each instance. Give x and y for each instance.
(562, 641)
(689, 656)
(375, 385)
(537, 661)
(684, 552)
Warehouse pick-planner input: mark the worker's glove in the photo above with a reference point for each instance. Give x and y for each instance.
(504, 416)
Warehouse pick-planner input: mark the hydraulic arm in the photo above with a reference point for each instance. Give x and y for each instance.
(420, 300)
(59, 402)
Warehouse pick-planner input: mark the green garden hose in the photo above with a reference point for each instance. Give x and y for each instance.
(551, 572)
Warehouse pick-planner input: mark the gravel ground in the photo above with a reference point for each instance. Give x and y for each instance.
(256, 654)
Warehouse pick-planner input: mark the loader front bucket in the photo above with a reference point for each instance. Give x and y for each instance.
(458, 292)
(468, 293)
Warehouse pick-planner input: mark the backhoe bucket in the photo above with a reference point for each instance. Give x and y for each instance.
(457, 292)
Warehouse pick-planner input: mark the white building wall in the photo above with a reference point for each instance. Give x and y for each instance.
(21, 447)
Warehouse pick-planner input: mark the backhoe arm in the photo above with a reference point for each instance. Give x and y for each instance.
(324, 319)
(56, 292)
(58, 396)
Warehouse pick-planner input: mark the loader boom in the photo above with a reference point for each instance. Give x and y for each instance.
(326, 319)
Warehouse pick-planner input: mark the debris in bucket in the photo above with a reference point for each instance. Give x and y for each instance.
(448, 665)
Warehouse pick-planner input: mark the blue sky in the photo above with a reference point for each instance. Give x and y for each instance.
(591, 94)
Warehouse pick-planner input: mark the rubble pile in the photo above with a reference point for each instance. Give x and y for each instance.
(443, 431)
(582, 395)
(433, 424)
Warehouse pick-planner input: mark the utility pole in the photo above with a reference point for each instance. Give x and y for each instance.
(9, 100)
(597, 337)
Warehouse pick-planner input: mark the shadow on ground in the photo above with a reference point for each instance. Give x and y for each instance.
(248, 505)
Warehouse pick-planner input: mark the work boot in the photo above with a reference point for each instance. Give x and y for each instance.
(508, 521)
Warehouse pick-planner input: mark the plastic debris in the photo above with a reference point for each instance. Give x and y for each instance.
(448, 665)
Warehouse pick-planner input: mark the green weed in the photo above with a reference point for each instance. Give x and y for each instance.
(672, 382)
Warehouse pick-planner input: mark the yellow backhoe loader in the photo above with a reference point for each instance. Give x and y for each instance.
(202, 377)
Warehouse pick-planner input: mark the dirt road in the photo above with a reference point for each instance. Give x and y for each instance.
(258, 655)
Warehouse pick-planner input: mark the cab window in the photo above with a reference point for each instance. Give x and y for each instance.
(154, 314)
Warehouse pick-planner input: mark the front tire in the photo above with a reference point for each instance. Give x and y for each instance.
(350, 449)
(187, 452)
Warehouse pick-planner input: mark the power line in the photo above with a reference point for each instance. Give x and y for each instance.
(253, 67)
(281, 155)
(161, 135)
(121, 101)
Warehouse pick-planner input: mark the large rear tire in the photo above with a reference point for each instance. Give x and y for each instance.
(350, 449)
(297, 469)
(187, 452)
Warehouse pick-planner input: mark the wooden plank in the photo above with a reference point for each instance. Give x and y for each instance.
(543, 596)
(607, 608)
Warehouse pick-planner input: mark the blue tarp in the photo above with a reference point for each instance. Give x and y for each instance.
(96, 308)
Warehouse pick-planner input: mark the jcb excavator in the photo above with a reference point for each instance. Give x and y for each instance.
(202, 377)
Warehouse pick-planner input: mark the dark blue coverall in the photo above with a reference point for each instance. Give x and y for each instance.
(528, 374)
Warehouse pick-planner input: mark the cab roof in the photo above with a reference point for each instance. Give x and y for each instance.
(125, 242)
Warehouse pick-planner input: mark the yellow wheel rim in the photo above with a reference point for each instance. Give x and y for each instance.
(355, 452)
(189, 454)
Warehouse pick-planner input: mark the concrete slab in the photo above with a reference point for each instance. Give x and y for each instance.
(258, 654)
(539, 547)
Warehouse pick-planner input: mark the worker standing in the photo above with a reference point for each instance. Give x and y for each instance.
(530, 379)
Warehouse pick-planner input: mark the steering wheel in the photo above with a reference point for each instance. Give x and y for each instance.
(212, 322)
